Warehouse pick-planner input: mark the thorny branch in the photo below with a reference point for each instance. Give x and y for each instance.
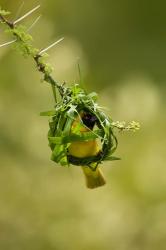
(38, 55)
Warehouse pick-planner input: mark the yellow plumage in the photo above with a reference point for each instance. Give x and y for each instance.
(94, 178)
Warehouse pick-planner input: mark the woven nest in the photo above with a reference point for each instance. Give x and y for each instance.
(75, 102)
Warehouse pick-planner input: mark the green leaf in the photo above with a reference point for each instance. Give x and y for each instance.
(68, 125)
(75, 137)
(93, 95)
(71, 111)
(58, 153)
(48, 113)
(112, 158)
(64, 161)
(61, 123)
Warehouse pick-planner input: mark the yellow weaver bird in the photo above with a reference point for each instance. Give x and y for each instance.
(81, 149)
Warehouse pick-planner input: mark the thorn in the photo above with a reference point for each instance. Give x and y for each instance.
(19, 9)
(27, 14)
(33, 24)
(50, 46)
(7, 43)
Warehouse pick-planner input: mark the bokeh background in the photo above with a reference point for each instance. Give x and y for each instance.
(121, 49)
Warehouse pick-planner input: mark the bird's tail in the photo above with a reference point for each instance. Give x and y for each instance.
(94, 178)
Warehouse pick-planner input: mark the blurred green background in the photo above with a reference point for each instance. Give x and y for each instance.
(121, 47)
